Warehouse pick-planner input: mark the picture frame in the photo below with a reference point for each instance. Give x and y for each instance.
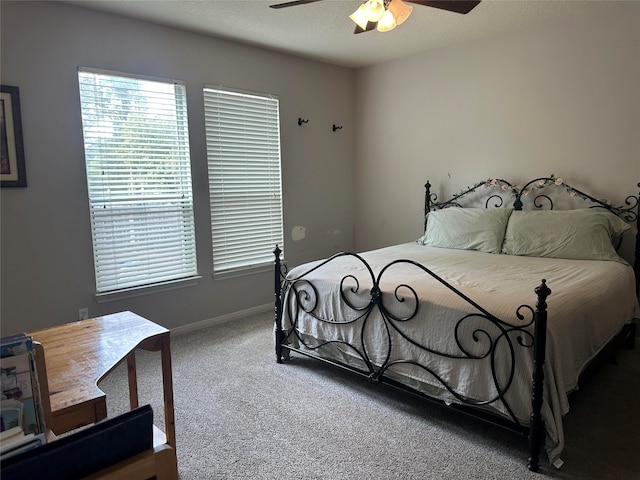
(12, 165)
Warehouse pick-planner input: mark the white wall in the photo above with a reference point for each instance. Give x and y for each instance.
(46, 256)
(559, 98)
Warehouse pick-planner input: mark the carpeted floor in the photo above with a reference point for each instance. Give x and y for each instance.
(241, 415)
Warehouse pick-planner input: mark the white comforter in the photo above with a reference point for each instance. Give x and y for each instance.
(589, 304)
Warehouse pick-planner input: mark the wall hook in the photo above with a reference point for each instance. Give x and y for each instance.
(301, 121)
(337, 127)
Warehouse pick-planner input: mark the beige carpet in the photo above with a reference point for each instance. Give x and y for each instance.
(240, 415)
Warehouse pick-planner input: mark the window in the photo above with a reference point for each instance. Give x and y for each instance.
(136, 146)
(243, 152)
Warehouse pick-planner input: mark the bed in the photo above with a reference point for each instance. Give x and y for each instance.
(496, 311)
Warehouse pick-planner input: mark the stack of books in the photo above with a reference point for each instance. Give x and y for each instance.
(22, 424)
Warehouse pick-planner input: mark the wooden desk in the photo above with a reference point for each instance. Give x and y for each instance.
(79, 354)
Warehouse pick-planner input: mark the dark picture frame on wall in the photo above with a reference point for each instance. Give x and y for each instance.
(12, 167)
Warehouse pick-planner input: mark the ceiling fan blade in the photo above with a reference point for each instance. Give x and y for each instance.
(457, 6)
(370, 26)
(293, 3)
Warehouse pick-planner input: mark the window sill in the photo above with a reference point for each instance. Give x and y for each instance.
(147, 289)
(243, 272)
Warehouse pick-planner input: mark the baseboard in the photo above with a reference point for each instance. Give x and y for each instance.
(222, 319)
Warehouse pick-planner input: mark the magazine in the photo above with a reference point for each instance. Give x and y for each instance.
(21, 418)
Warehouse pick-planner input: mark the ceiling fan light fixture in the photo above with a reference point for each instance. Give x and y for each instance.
(387, 22)
(359, 17)
(371, 12)
(374, 10)
(400, 10)
(384, 15)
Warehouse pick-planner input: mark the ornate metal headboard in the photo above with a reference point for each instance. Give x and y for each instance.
(540, 193)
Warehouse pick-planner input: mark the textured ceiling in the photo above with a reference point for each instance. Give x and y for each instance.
(322, 30)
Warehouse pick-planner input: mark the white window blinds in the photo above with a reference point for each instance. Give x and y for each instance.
(243, 151)
(136, 145)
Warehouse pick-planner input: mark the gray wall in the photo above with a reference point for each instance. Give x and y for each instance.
(561, 98)
(46, 256)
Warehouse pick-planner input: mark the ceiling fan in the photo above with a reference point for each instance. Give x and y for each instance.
(385, 15)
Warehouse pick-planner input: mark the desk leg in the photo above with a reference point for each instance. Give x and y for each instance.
(167, 384)
(132, 373)
(43, 380)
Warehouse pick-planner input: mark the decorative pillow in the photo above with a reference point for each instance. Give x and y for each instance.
(582, 234)
(466, 228)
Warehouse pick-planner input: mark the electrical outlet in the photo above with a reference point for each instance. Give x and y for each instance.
(83, 313)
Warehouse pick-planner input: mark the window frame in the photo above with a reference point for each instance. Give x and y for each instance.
(158, 182)
(234, 141)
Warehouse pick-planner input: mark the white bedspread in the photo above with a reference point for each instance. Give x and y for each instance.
(589, 304)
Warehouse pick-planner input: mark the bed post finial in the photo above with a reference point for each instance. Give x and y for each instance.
(536, 427)
(278, 303)
(427, 203)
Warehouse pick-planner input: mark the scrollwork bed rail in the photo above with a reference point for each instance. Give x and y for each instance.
(497, 332)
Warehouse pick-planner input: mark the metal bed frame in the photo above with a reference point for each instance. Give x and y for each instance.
(530, 333)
